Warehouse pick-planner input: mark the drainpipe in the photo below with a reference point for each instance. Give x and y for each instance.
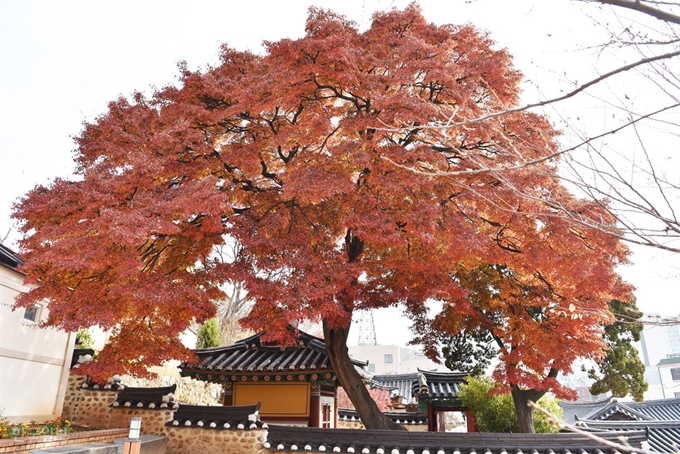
(663, 390)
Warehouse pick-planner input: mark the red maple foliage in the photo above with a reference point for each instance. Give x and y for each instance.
(325, 159)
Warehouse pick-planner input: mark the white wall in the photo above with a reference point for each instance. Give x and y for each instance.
(34, 361)
(659, 342)
(404, 360)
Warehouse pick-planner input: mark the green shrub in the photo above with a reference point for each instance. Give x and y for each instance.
(496, 412)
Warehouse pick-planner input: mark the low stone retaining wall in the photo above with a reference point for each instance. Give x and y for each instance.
(27, 444)
(209, 441)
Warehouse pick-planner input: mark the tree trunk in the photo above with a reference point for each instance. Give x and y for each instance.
(336, 347)
(525, 414)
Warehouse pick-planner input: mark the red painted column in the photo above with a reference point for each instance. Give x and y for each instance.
(470, 417)
(315, 409)
(227, 400)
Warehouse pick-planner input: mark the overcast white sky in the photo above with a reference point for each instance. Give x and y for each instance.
(61, 62)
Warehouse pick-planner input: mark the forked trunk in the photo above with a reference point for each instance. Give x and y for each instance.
(336, 347)
(525, 414)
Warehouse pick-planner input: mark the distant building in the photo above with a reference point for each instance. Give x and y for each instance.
(393, 359)
(660, 351)
(34, 361)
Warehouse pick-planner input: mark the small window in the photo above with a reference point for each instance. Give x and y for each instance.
(675, 373)
(371, 368)
(388, 359)
(32, 314)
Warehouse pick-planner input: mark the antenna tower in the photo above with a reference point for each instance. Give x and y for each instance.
(366, 328)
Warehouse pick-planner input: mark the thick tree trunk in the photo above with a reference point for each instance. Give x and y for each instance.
(525, 414)
(336, 347)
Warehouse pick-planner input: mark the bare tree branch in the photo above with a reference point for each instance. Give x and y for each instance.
(640, 6)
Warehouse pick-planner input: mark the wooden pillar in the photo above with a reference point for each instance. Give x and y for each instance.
(335, 409)
(470, 418)
(431, 417)
(132, 447)
(227, 399)
(315, 409)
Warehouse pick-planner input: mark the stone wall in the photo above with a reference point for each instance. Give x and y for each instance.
(92, 408)
(350, 425)
(27, 444)
(183, 440)
(153, 421)
(89, 407)
(72, 396)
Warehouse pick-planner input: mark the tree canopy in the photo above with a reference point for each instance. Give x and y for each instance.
(621, 371)
(208, 335)
(495, 412)
(305, 157)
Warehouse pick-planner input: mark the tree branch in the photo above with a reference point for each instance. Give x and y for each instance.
(637, 5)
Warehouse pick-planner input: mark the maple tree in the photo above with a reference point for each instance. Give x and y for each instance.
(304, 157)
(534, 324)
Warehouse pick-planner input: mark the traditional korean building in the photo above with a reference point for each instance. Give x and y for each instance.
(431, 393)
(295, 384)
(660, 419)
(437, 393)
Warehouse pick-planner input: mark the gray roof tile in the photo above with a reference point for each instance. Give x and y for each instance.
(251, 355)
(149, 398)
(663, 436)
(244, 417)
(351, 441)
(400, 417)
(8, 258)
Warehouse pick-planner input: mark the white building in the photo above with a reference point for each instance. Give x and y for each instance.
(34, 362)
(660, 348)
(393, 359)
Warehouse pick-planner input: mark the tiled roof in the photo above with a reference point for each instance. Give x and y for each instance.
(400, 417)
(218, 417)
(658, 410)
(661, 410)
(609, 411)
(400, 384)
(351, 441)
(113, 384)
(662, 436)
(150, 398)
(253, 356)
(81, 355)
(438, 385)
(424, 385)
(8, 258)
(575, 410)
